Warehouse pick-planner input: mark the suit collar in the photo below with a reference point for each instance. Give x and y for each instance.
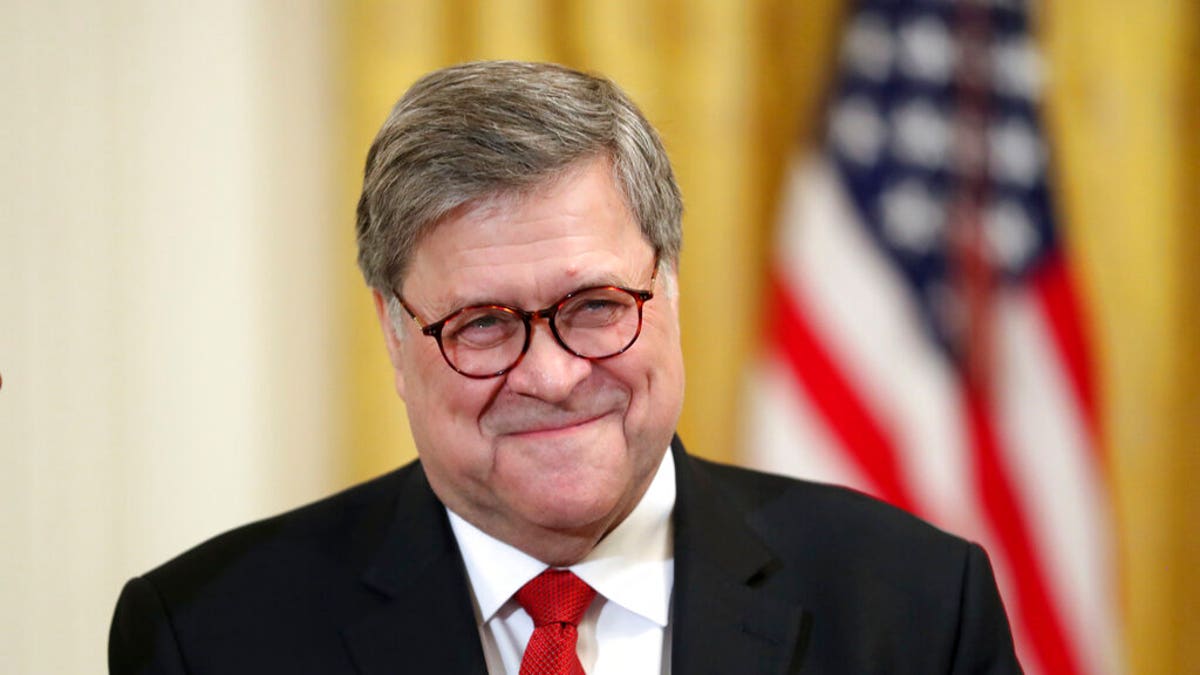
(426, 619)
(724, 619)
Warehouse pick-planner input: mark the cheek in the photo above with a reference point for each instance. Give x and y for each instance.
(654, 375)
(443, 418)
(442, 404)
(657, 378)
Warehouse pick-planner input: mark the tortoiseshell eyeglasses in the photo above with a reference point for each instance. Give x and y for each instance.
(483, 341)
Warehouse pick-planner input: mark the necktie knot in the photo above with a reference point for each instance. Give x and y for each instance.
(556, 596)
(556, 601)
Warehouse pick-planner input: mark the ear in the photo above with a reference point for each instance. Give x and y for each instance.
(669, 281)
(393, 342)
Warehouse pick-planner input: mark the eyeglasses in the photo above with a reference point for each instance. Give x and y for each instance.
(594, 323)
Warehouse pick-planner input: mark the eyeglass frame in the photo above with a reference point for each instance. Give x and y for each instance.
(434, 330)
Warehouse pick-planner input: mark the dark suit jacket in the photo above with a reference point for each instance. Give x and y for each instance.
(772, 575)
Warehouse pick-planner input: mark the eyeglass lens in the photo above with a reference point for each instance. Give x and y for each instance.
(595, 323)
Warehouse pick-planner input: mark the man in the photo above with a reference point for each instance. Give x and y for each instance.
(520, 229)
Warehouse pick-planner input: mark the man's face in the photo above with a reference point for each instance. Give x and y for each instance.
(559, 444)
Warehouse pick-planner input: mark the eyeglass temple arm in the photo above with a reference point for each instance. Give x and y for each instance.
(409, 310)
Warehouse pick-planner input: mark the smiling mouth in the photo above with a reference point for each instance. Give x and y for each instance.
(555, 428)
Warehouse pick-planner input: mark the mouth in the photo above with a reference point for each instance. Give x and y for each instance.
(554, 427)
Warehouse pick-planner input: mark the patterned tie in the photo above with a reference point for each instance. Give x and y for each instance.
(556, 600)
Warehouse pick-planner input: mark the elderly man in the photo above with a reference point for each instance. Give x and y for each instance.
(520, 230)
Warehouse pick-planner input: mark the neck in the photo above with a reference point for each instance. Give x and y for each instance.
(557, 547)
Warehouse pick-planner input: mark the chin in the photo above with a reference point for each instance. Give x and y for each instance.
(573, 500)
(580, 518)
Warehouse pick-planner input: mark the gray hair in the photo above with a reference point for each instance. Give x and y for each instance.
(491, 128)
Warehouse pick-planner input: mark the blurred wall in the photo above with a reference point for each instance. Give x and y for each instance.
(165, 332)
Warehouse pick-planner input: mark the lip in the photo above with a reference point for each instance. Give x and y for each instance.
(555, 429)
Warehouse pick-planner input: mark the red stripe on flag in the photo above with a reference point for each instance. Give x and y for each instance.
(1064, 314)
(860, 434)
(1034, 608)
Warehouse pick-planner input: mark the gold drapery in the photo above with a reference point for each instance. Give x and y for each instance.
(1124, 116)
(733, 86)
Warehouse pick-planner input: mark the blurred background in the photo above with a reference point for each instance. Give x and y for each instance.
(186, 344)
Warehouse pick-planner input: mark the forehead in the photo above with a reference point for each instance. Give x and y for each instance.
(573, 231)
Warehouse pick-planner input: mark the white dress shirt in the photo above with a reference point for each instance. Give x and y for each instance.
(625, 631)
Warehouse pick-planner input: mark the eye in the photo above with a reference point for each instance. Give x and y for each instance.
(596, 305)
(596, 308)
(481, 327)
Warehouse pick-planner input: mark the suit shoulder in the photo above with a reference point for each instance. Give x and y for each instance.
(812, 511)
(872, 579)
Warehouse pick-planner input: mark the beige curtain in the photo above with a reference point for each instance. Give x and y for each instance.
(733, 86)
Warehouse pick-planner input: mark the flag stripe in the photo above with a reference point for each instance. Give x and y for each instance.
(1065, 317)
(788, 433)
(849, 419)
(1050, 458)
(1033, 605)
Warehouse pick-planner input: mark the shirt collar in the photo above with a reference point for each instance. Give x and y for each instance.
(632, 566)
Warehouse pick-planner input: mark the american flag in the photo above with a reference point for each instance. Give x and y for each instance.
(925, 341)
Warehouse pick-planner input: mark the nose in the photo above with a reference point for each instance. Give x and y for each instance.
(548, 371)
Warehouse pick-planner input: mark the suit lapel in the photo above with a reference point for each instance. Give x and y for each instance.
(425, 622)
(722, 619)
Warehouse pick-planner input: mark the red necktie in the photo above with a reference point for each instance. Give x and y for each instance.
(556, 600)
